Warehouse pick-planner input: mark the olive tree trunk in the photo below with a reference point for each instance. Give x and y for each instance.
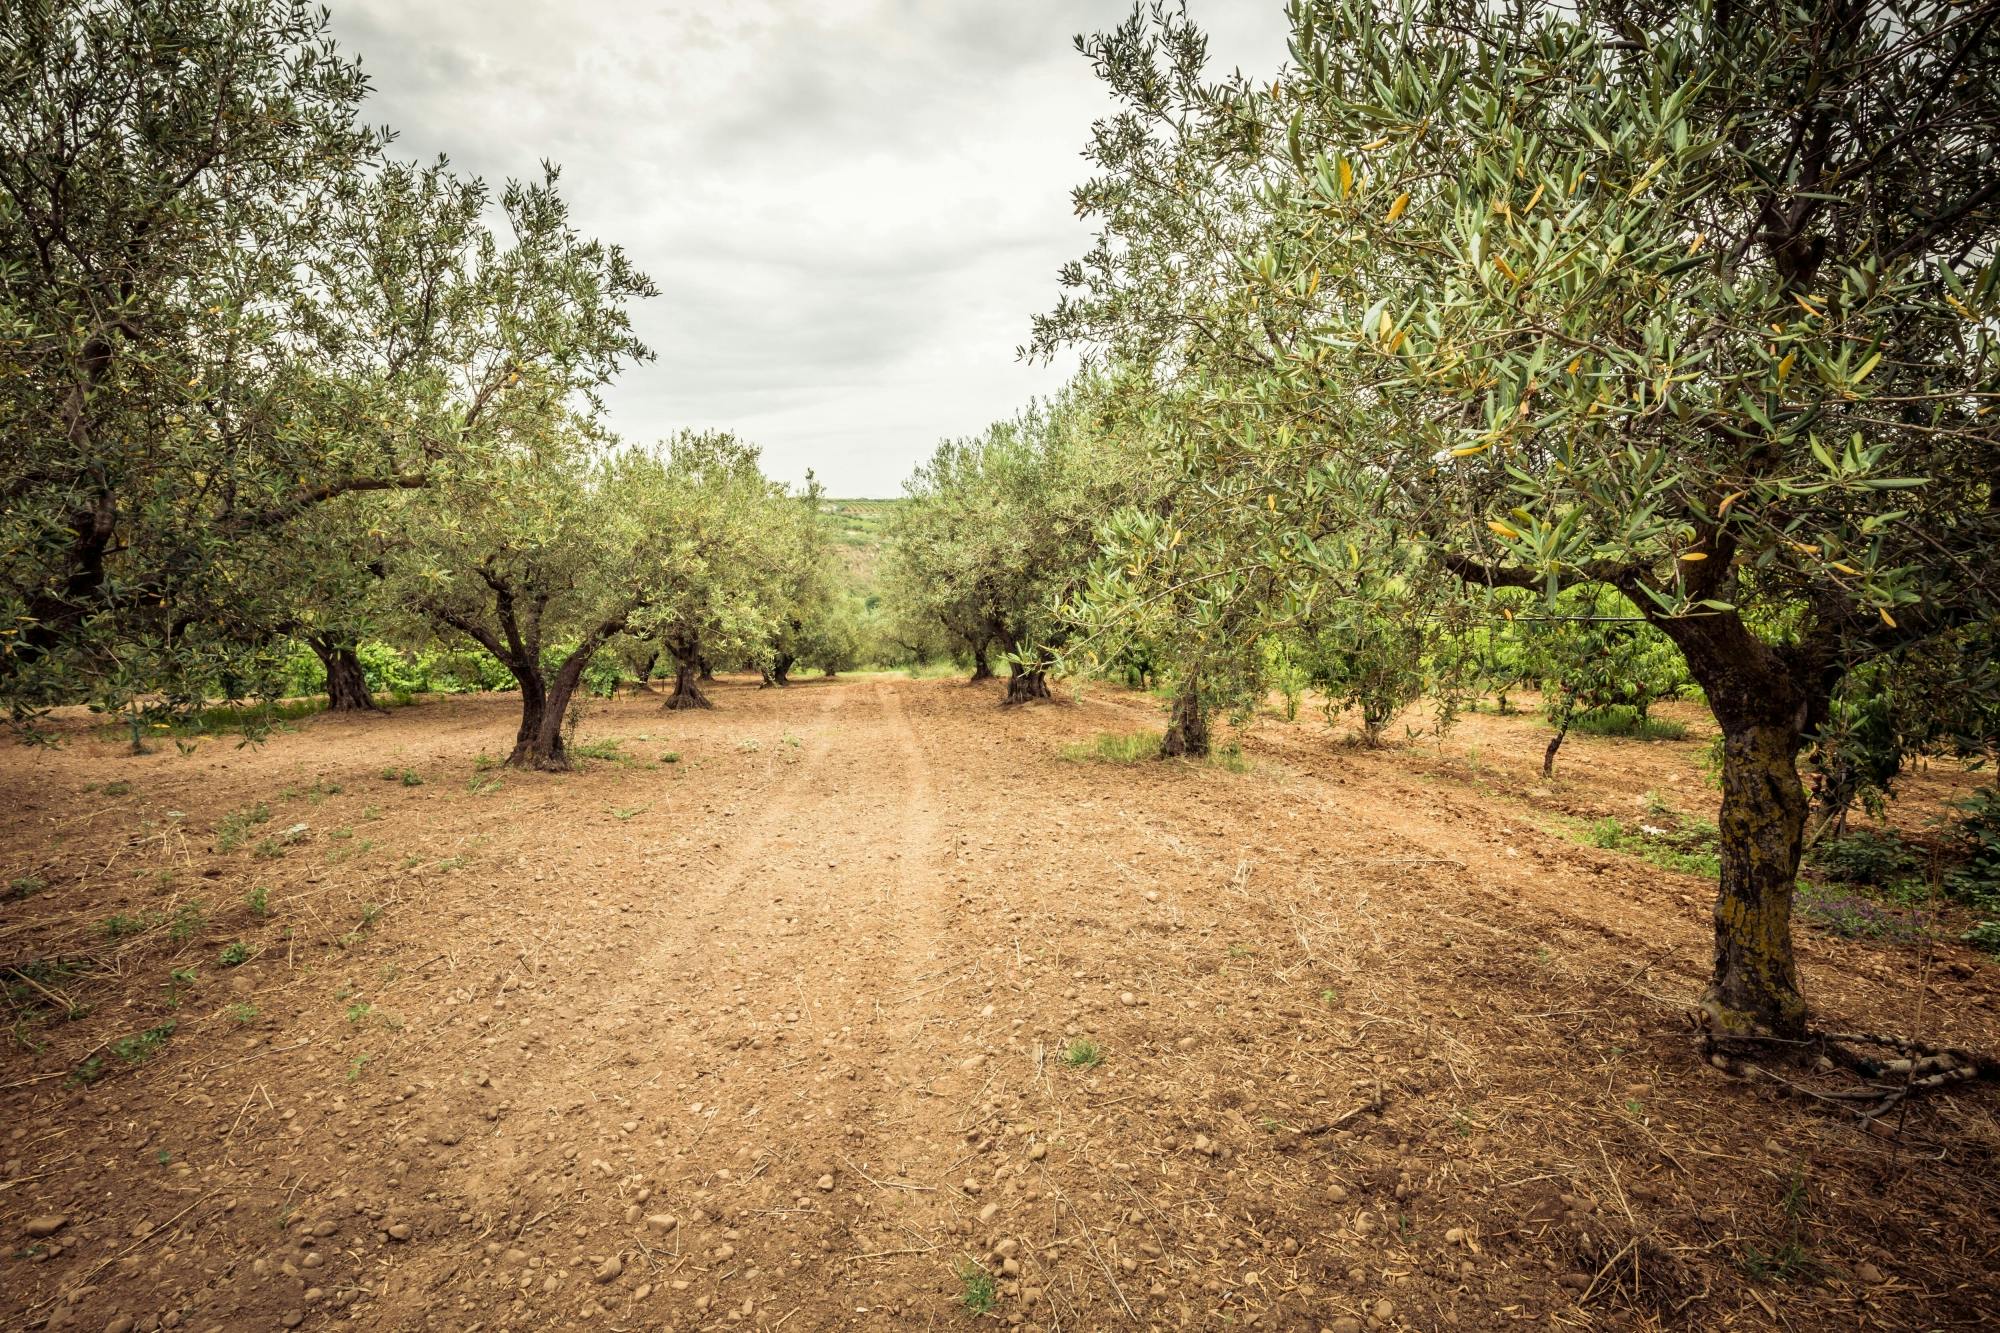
(687, 686)
(1754, 990)
(346, 683)
(1763, 699)
(1025, 684)
(1187, 724)
(534, 711)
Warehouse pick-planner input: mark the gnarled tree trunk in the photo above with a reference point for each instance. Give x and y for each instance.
(1187, 724)
(687, 686)
(1025, 684)
(982, 668)
(346, 683)
(534, 712)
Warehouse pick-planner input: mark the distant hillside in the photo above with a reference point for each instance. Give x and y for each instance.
(861, 527)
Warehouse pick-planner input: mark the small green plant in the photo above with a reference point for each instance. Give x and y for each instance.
(671, 757)
(1984, 936)
(484, 786)
(354, 1070)
(1082, 1053)
(234, 954)
(119, 924)
(609, 747)
(258, 900)
(142, 1046)
(116, 789)
(627, 812)
(976, 1290)
(233, 828)
(357, 1013)
(241, 1014)
(407, 776)
(86, 1073)
(187, 923)
(749, 746)
(1786, 1258)
(25, 886)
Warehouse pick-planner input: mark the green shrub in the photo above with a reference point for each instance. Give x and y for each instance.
(1866, 857)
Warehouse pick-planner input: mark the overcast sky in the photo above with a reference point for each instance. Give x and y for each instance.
(851, 207)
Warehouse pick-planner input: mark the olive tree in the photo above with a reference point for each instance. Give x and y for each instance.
(542, 560)
(999, 530)
(1695, 302)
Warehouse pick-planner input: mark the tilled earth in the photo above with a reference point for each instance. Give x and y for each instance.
(860, 1005)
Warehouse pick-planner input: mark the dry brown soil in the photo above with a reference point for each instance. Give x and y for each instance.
(780, 1035)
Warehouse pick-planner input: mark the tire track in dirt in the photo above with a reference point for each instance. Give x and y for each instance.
(773, 1036)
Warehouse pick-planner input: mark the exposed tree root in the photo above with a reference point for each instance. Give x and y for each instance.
(1914, 1067)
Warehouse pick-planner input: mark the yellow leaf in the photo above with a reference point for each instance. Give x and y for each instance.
(1785, 366)
(1507, 611)
(1501, 529)
(1271, 503)
(1533, 199)
(1312, 283)
(1505, 267)
(1887, 619)
(1467, 451)
(1695, 244)
(1396, 209)
(1692, 556)
(1727, 501)
(1383, 325)
(1397, 340)
(1959, 306)
(1379, 143)
(1866, 366)
(1346, 177)
(1845, 569)
(1576, 365)
(1806, 305)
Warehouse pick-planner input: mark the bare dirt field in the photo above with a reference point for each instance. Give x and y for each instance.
(870, 1008)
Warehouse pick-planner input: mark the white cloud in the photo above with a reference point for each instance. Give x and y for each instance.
(852, 208)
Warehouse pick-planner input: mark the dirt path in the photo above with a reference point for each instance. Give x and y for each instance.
(867, 1008)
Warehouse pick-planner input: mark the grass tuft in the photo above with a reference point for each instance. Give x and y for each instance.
(1111, 748)
(977, 1292)
(1082, 1053)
